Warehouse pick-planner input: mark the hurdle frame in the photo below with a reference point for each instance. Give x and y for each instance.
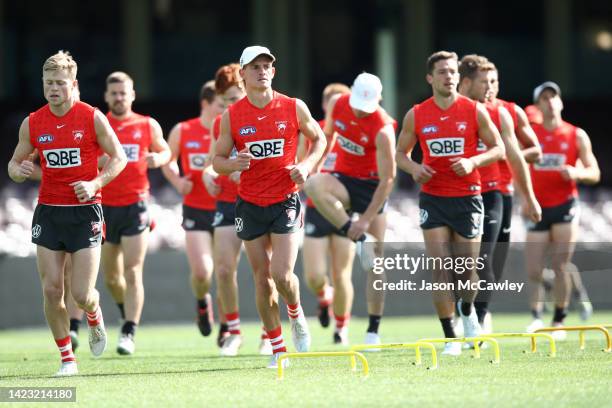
(415, 345)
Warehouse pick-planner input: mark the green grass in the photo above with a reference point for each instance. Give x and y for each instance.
(175, 366)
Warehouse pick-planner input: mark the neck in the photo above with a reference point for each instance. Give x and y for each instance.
(61, 110)
(260, 97)
(206, 118)
(551, 122)
(445, 101)
(126, 115)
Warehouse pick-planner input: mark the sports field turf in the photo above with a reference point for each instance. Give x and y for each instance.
(174, 366)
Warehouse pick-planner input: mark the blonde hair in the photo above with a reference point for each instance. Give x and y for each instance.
(471, 64)
(333, 89)
(61, 61)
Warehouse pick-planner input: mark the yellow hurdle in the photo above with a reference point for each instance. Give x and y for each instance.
(581, 330)
(474, 340)
(351, 354)
(416, 346)
(531, 336)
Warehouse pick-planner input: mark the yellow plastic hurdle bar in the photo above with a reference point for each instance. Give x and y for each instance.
(581, 330)
(474, 340)
(531, 336)
(351, 354)
(416, 346)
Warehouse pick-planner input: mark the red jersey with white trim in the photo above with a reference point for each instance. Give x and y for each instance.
(356, 139)
(489, 175)
(329, 164)
(67, 147)
(505, 172)
(193, 149)
(444, 135)
(132, 184)
(271, 136)
(559, 148)
(228, 189)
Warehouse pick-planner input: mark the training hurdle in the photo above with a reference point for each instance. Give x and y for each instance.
(531, 336)
(581, 330)
(351, 354)
(474, 340)
(416, 346)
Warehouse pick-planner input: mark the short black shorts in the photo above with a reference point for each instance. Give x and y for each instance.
(125, 220)
(316, 225)
(225, 214)
(253, 221)
(195, 219)
(464, 215)
(68, 228)
(559, 214)
(360, 192)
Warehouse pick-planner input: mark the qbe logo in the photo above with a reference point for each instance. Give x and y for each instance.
(131, 151)
(448, 146)
(350, 146)
(264, 149)
(62, 158)
(197, 161)
(550, 162)
(481, 146)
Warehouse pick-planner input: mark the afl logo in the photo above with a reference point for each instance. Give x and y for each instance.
(247, 130)
(36, 229)
(192, 145)
(429, 129)
(42, 139)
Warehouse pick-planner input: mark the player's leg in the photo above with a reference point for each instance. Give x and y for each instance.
(579, 293)
(375, 298)
(330, 197)
(112, 266)
(535, 259)
(198, 246)
(314, 256)
(503, 239)
(342, 252)
(563, 237)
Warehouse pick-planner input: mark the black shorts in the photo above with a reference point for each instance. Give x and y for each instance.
(493, 203)
(125, 220)
(464, 215)
(317, 226)
(506, 224)
(253, 221)
(195, 219)
(225, 214)
(559, 214)
(67, 228)
(360, 192)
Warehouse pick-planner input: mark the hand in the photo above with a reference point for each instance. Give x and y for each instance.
(423, 174)
(358, 228)
(243, 160)
(184, 185)
(569, 173)
(298, 173)
(462, 166)
(25, 168)
(210, 182)
(235, 177)
(532, 209)
(85, 190)
(153, 160)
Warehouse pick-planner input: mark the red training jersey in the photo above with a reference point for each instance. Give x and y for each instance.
(444, 135)
(193, 150)
(271, 135)
(489, 175)
(67, 147)
(329, 163)
(559, 148)
(505, 172)
(228, 189)
(132, 184)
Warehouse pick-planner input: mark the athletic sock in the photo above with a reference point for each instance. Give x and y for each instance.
(65, 347)
(129, 327)
(447, 327)
(294, 311)
(75, 324)
(481, 310)
(466, 308)
(94, 318)
(276, 339)
(342, 321)
(537, 314)
(560, 313)
(202, 304)
(374, 323)
(233, 322)
(121, 310)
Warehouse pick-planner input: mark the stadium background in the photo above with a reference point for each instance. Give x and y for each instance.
(171, 47)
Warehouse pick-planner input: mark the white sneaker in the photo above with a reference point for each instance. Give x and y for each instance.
(97, 339)
(74, 339)
(265, 347)
(341, 336)
(452, 349)
(372, 338)
(300, 334)
(126, 345)
(231, 345)
(558, 335)
(457, 327)
(471, 327)
(274, 361)
(365, 252)
(586, 311)
(487, 324)
(67, 369)
(534, 325)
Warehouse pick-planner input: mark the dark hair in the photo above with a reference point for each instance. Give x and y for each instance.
(439, 56)
(207, 92)
(472, 63)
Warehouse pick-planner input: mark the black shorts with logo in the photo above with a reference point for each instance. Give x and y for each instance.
(253, 221)
(464, 215)
(125, 220)
(559, 214)
(360, 192)
(225, 214)
(195, 219)
(316, 225)
(67, 228)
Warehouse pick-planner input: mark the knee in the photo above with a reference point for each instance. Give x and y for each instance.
(82, 299)
(312, 185)
(225, 273)
(113, 280)
(264, 287)
(54, 294)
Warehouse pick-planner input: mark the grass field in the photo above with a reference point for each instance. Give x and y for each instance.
(175, 366)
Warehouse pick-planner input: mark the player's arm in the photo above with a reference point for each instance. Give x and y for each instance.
(171, 170)
(159, 152)
(222, 163)
(313, 133)
(421, 173)
(518, 165)
(328, 130)
(21, 165)
(109, 143)
(209, 175)
(532, 152)
(589, 173)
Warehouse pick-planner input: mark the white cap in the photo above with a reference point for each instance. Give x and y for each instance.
(366, 93)
(546, 85)
(252, 52)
